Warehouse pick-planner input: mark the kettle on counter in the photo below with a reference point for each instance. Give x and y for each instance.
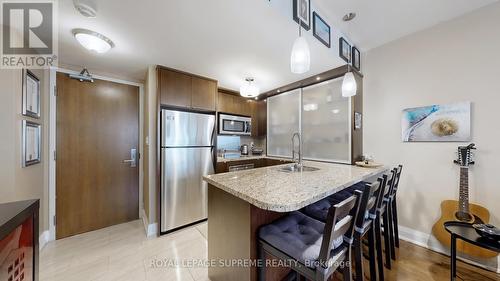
(244, 149)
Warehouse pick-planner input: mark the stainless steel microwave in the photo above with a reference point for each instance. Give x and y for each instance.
(235, 125)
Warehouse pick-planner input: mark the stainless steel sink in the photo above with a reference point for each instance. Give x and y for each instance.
(295, 168)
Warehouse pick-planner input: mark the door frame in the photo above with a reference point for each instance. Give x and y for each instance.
(52, 141)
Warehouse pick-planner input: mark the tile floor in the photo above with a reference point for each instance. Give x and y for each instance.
(123, 252)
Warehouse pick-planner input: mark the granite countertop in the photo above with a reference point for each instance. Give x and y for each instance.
(269, 188)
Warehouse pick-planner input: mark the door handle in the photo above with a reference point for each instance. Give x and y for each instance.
(133, 158)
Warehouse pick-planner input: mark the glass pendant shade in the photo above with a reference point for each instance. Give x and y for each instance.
(300, 60)
(349, 86)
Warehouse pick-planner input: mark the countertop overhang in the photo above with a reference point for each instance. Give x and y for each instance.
(271, 189)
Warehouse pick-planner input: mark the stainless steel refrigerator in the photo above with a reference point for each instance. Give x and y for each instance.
(187, 154)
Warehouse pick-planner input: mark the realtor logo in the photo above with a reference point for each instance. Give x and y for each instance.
(28, 34)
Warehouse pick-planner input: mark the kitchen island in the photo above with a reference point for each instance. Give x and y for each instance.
(240, 202)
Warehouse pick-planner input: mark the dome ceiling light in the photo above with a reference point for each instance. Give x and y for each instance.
(249, 89)
(93, 41)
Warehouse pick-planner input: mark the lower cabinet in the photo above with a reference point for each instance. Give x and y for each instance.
(224, 167)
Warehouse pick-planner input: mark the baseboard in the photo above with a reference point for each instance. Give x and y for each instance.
(151, 229)
(43, 239)
(429, 242)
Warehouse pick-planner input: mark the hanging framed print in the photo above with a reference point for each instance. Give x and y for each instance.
(344, 50)
(321, 30)
(31, 94)
(32, 143)
(356, 59)
(302, 13)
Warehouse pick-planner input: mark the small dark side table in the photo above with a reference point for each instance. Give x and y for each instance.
(465, 232)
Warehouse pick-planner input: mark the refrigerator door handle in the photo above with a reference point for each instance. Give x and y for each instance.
(214, 159)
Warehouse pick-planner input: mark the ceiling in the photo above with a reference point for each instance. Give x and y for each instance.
(379, 22)
(229, 40)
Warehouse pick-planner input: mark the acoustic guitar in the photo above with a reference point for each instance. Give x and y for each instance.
(462, 210)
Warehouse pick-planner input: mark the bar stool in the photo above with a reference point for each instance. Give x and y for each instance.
(364, 225)
(393, 205)
(317, 248)
(382, 216)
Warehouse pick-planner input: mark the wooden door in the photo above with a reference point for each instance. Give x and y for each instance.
(175, 88)
(204, 93)
(97, 126)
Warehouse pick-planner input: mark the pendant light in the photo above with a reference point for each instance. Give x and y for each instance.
(349, 86)
(248, 89)
(300, 59)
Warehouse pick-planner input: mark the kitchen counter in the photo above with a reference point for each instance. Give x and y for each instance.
(272, 189)
(239, 203)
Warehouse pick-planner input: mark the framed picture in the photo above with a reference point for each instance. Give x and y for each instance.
(437, 123)
(302, 13)
(321, 30)
(32, 143)
(356, 58)
(357, 120)
(31, 94)
(344, 50)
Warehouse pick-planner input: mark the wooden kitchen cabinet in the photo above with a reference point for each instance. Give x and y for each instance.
(180, 89)
(203, 95)
(259, 118)
(175, 88)
(225, 102)
(223, 167)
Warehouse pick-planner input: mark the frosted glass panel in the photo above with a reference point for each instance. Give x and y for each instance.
(326, 122)
(283, 118)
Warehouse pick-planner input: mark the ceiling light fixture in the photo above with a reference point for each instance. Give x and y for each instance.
(86, 8)
(349, 17)
(248, 89)
(300, 59)
(349, 86)
(93, 41)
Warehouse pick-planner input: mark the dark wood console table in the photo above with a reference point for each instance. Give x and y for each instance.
(19, 240)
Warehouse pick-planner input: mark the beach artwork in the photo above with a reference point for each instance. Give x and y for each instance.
(440, 123)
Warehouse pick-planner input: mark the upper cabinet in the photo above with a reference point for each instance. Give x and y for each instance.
(226, 103)
(234, 104)
(184, 90)
(204, 93)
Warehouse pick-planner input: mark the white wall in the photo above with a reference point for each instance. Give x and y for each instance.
(18, 183)
(451, 62)
(150, 115)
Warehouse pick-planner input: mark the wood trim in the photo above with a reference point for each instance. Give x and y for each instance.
(312, 80)
(357, 135)
(158, 67)
(158, 149)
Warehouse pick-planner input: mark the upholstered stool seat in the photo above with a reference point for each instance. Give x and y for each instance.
(298, 236)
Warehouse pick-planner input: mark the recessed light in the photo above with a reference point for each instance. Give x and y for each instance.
(93, 41)
(278, 91)
(349, 17)
(318, 78)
